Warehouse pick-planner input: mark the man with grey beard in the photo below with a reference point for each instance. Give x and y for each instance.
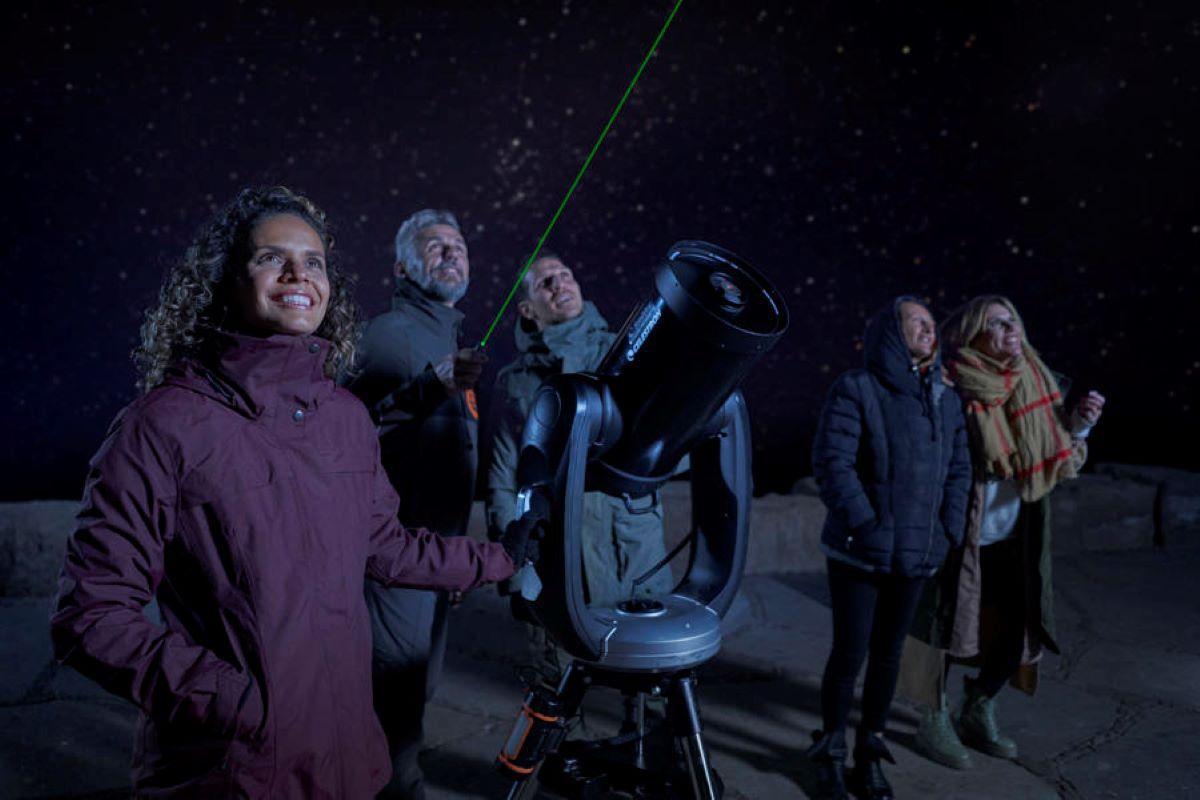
(418, 384)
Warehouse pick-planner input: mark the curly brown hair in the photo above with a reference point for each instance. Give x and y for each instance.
(194, 300)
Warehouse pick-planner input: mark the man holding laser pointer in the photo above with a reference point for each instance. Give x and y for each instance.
(419, 386)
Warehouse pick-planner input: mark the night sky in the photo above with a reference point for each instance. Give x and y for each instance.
(851, 151)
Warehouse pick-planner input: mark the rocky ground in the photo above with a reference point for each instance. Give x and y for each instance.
(1117, 716)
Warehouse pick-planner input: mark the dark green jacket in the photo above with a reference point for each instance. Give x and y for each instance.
(949, 617)
(617, 546)
(948, 593)
(427, 437)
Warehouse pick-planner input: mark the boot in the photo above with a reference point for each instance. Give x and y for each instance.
(977, 724)
(828, 753)
(937, 740)
(867, 780)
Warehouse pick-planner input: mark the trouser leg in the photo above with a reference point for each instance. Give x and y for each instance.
(1004, 598)
(1003, 601)
(546, 658)
(638, 541)
(895, 606)
(601, 569)
(853, 595)
(408, 628)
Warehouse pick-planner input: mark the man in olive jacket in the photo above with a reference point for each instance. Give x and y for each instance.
(418, 385)
(559, 332)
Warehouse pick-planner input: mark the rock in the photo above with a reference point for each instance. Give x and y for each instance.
(1177, 505)
(785, 530)
(1141, 473)
(806, 486)
(1178, 510)
(33, 539)
(1099, 512)
(785, 534)
(1118, 507)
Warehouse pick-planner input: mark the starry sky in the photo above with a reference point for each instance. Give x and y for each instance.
(852, 151)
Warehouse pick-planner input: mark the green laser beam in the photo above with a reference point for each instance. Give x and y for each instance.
(542, 240)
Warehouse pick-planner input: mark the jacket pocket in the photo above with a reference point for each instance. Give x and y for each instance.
(239, 706)
(180, 753)
(940, 546)
(877, 536)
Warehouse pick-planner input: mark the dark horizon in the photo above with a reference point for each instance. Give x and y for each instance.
(851, 154)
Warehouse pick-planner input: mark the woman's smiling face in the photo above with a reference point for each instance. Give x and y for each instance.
(1001, 335)
(286, 288)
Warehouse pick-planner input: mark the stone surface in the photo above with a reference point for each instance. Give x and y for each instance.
(25, 654)
(1147, 752)
(1116, 717)
(33, 537)
(65, 749)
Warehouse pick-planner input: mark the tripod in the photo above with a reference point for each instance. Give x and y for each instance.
(627, 763)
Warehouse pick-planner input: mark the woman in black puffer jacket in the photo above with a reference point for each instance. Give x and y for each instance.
(892, 464)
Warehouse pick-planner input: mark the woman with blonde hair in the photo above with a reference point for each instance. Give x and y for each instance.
(992, 604)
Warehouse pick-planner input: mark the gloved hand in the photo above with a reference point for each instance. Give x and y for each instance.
(520, 539)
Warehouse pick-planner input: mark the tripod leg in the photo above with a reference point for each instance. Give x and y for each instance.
(685, 719)
(571, 688)
(540, 728)
(523, 789)
(639, 758)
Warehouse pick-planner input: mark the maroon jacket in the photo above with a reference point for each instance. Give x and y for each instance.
(249, 499)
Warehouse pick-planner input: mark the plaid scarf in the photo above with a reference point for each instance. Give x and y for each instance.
(1013, 416)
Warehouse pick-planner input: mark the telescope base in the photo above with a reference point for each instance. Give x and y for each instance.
(674, 767)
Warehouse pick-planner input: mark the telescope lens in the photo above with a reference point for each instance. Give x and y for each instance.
(728, 291)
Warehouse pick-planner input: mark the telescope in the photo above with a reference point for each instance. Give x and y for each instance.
(666, 389)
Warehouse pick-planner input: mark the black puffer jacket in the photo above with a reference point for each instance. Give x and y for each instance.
(891, 459)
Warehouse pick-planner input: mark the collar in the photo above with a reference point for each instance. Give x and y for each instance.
(561, 339)
(266, 371)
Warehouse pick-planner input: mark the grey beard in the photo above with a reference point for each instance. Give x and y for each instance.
(441, 291)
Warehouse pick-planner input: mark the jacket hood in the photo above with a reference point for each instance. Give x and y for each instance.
(885, 353)
(250, 374)
(564, 338)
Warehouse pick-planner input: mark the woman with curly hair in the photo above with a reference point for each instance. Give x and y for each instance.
(992, 605)
(243, 491)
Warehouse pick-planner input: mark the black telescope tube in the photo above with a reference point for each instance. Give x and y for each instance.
(679, 355)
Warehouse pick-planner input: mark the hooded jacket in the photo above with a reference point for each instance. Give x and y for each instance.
(891, 459)
(577, 345)
(395, 379)
(246, 495)
(618, 546)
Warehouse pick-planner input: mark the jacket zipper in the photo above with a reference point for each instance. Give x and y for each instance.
(935, 420)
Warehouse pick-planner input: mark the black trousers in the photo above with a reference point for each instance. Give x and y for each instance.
(872, 613)
(1003, 599)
